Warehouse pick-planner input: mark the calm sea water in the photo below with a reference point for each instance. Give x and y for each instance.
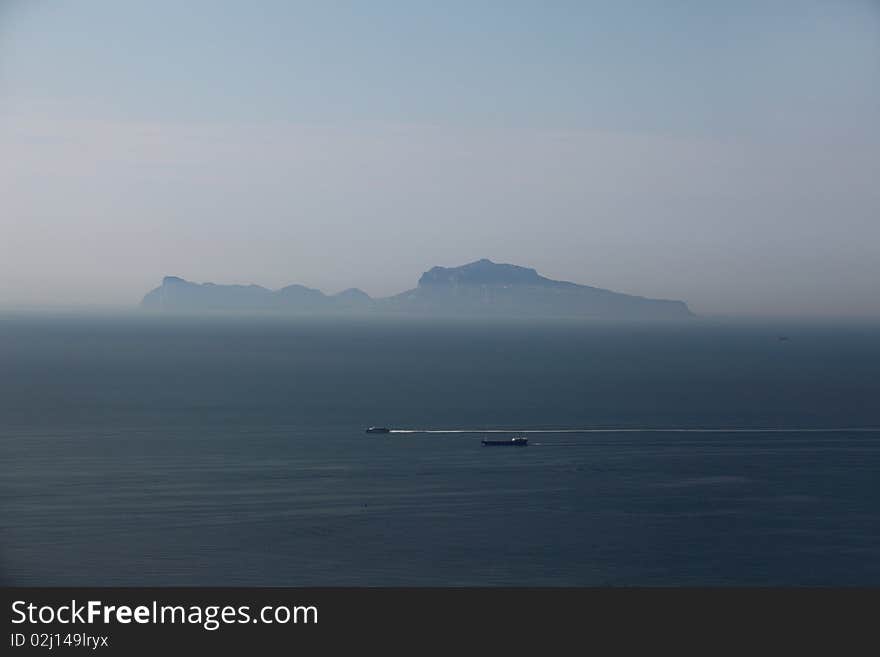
(166, 451)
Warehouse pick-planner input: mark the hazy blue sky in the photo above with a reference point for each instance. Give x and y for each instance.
(722, 153)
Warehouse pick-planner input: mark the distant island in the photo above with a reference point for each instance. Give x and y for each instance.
(481, 288)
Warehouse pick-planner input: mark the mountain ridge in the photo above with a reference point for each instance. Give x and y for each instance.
(478, 288)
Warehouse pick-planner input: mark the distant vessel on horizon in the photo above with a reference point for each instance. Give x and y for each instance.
(378, 430)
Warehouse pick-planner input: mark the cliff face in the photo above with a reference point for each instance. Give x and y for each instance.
(481, 288)
(486, 288)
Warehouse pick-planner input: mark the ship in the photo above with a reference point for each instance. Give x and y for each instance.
(378, 430)
(517, 441)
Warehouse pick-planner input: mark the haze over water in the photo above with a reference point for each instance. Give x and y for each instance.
(232, 451)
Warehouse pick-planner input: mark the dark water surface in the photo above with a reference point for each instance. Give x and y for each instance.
(231, 451)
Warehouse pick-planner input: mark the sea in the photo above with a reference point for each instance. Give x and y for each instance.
(152, 450)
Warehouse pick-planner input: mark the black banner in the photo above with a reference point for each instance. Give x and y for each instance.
(191, 621)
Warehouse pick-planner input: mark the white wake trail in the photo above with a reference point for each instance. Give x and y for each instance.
(648, 430)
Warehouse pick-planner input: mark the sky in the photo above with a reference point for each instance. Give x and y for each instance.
(726, 154)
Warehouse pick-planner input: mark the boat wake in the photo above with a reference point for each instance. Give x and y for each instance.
(645, 430)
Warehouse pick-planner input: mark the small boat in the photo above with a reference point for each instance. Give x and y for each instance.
(518, 441)
(378, 430)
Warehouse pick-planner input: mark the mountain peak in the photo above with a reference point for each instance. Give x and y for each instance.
(479, 288)
(482, 272)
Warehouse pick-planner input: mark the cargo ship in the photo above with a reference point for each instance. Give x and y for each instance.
(518, 441)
